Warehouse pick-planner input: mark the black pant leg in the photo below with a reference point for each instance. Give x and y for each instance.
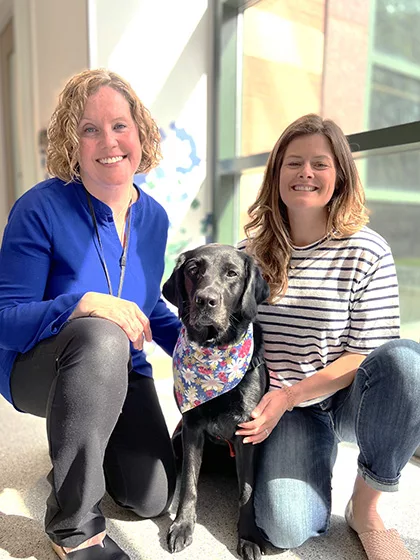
(78, 381)
(139, 462)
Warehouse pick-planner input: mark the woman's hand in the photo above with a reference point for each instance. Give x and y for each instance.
(124, 313)
(266, 415)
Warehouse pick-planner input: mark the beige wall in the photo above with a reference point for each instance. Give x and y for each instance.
(5, 14)
(60, 48)
(50, 44)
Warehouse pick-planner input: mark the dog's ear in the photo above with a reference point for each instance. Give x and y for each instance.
(256, 289)
(174, 287)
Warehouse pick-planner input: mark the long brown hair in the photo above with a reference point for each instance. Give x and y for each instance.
(268, 231)
(63, 138)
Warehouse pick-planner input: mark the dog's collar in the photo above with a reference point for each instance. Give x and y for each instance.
(203, 373)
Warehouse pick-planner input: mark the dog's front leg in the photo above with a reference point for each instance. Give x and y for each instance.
(181, 531)
(250, 541)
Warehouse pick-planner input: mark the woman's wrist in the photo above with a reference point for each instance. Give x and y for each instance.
(290, 397)
(82, 308)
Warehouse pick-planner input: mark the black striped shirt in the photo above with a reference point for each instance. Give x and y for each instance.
(342, 296)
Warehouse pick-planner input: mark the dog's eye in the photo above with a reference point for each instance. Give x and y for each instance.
(193, 270)
(231, 273)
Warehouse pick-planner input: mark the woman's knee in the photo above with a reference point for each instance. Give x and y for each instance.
(98, 335)
(398, 361)
(289, 512)
(147, 493)
(98, 345)
(92, 367)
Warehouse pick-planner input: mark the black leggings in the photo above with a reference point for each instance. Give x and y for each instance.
(105, 428)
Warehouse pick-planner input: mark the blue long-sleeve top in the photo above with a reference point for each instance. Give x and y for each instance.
(50, 258)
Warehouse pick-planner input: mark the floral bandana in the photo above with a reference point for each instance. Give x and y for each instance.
(202, 373)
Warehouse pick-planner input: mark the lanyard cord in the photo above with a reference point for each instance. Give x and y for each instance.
(123, 260)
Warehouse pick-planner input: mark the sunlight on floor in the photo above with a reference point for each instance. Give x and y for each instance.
(11, 503)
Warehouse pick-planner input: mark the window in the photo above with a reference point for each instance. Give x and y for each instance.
(358, 63)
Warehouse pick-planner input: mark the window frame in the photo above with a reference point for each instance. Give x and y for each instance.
(227, 170)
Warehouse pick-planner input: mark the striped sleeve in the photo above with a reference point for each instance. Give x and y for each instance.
(374, 307)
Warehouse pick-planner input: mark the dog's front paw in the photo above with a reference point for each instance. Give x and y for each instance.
(249, 550)
(179, 535)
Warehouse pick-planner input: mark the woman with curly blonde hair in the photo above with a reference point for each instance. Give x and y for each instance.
(338, 369)
(72, 330)
(63, 136)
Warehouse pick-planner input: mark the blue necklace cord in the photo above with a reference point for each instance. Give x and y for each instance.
(123, 259)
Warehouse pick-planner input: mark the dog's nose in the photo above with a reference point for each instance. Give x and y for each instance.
(206, 300)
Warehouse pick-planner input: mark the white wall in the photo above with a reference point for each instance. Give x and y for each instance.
(162, 48)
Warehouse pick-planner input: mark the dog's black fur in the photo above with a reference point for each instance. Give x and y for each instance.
(217, 289)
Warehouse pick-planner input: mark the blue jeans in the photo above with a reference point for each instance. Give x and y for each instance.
(380, 411)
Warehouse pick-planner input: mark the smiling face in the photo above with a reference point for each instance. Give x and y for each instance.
(109, 144)
(308, 174)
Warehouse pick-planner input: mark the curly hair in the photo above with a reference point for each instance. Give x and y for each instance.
(268, 231)
(63, 138)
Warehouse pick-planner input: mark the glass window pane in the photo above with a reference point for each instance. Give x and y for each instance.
(249, 186)
(397, 28)
(355, 62)
(283, 50)
(396, 174)
(395, 98)
(392, 184)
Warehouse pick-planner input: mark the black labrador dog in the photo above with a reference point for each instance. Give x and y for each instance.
(217, 289)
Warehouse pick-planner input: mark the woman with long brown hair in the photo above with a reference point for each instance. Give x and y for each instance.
(338, 369)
